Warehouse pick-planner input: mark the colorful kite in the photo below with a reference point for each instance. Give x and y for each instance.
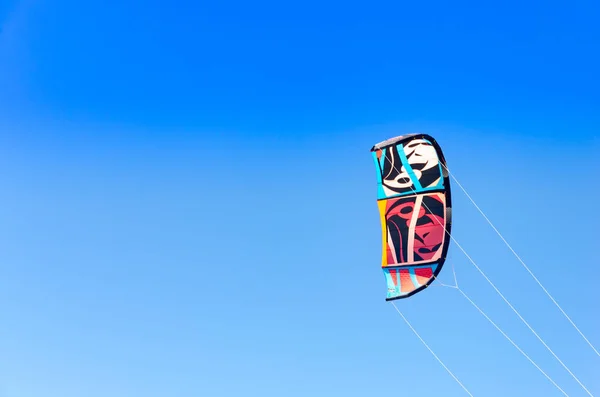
(415, 210)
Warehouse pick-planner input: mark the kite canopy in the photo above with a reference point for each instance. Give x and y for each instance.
(415, 210)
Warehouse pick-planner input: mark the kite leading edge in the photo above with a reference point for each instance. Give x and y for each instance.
(415, 209)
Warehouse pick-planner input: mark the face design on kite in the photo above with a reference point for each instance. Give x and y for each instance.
(415, 229)
(429, 236)
(417, 159)
(424, 162)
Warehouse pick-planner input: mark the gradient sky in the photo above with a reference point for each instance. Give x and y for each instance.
(188, 201)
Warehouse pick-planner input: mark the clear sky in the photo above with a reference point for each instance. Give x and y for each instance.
(188, 202)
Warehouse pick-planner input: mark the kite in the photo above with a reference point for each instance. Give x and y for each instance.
(415, 211)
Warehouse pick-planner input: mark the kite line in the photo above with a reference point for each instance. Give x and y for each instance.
(521, 260)
(430, 350)
(500, 330)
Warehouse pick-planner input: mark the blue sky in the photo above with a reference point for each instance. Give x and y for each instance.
(188, 198)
